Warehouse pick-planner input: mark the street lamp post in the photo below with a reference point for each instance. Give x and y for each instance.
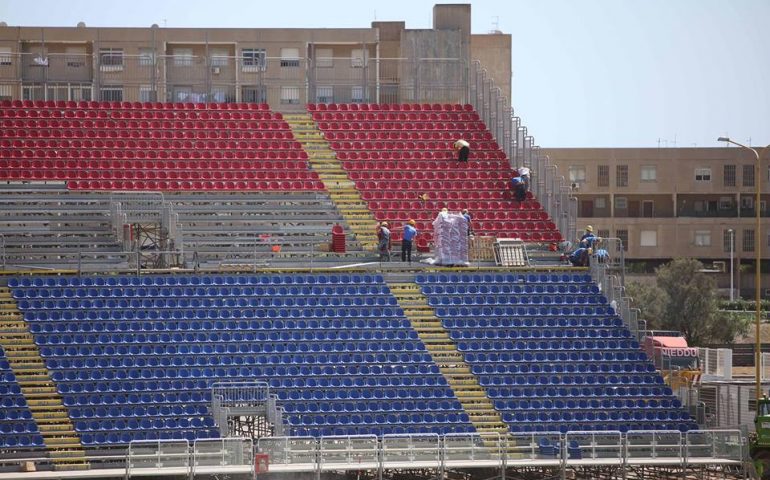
(758, 277)
(731, 232)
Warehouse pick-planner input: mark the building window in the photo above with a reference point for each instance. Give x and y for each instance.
(603, 176)
(111, 59)
(75, 56)
(748, 240)
(603, 233)
(357, 94)
(290, 57)
(254, 94)
(219, 57)
(725, 203)
(324, 94)
(577, 174)
(600, 203)
(111, 93)
(649, 173)
(727, 237)
(648, 238)
(729, 176)
(146, 57)
(623, 236)
(621, 175)
(183, 57)
(6, 92)
(218, 94)
(5, 56)
(147, 94)
(357, 58)
(702, 238)
(621, 203)
(747, 203)
(702, 174)
(748, 175)
(290, 95)
(324, 57)
(253, 59)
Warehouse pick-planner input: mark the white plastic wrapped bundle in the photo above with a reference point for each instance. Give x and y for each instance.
(450, 235)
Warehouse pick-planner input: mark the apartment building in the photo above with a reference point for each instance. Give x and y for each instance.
(665, 203)
(287, 68)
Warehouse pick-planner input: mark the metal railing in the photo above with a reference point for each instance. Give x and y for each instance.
(548, 185)
(609, 275)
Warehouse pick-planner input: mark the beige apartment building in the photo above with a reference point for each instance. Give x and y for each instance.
(287, 68)
(665, 203)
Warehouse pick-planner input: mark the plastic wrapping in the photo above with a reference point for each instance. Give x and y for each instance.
(450, 233)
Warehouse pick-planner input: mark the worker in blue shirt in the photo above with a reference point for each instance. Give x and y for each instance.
(519, 187)
(406, 241)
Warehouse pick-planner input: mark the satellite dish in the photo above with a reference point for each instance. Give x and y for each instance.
(3, 24)
(81, 24)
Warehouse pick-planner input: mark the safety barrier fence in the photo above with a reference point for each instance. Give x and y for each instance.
(672, 449)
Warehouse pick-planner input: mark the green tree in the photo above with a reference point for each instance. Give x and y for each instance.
(684, 299)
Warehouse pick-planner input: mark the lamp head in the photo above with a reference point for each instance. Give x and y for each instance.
(723, 139)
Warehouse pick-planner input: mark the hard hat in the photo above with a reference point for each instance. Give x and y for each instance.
(384, 224)
(589, 228)
(411, 222)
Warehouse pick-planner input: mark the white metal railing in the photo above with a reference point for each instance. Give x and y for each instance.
(716, 362)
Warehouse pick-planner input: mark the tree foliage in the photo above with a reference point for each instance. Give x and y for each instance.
(684, 299)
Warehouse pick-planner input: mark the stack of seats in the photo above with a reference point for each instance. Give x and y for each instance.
(151, 146)
(17, 428)
(551, 353)
(135, 357)
(397, 153)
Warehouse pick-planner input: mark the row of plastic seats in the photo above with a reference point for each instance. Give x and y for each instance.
(106, 105)
(392, 173)
(558, 368)
(13, 400)
(408, 125)
(268, 357)
(15, 158)
(259, 366)
(149, 397)
(155, 144)
(478, 311)
(121, 424)
(563, 344)
(379, 418)
(72, 131)
(109, 128)
(379, 430)
(417, 186)
(12, 414)
(545, 334)
(194, 280)
(445, 405)
(629, 355)
(20, 426)
(408, 145)
(486, 169)
(286, 185)
(496, 288)
(16, 440)
(501, 317)
(165, 165)
(403, 212)
(570, 404)
(132, 410)
(179, 329)
(514, 299)
(126, 437)
(394, 394)
(391, 107)
(390, 116)
(480, 278)
(335, 134)
(246, 313)
(495, 200)
(596, 416)
(588, 379)
(482, 209)
(181, 293)
(177, 177)
(577, 392)
(476, 162)
(620, 426)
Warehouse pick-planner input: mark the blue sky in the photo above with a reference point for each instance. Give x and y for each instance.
(586, 73)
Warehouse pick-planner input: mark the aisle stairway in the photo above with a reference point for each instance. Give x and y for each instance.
(342, 190)
(474, 400)
(44, 401)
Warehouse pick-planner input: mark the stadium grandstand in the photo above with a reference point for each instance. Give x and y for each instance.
(191, 285)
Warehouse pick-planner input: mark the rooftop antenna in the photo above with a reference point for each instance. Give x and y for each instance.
(495, 24)
(375, 14)
(165, 23)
